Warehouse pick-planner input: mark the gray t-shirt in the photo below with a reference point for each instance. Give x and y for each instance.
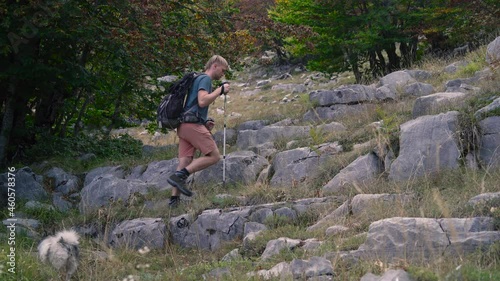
(202, 82)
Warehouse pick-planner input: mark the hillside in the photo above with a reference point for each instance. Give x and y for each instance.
(326, 180)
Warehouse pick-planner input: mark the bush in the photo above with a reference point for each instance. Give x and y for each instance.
(71, 147)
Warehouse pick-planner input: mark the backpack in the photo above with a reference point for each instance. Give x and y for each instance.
(170, 111)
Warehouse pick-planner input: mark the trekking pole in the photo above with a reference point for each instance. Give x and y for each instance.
(224, 148)
(224, 143)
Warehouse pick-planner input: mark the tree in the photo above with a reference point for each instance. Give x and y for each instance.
(252, 20)
(375, 37)
(66, 65)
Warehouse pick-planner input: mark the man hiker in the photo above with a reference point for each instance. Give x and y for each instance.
(197, 136)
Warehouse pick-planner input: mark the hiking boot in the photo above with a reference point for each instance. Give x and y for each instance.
(174, 201)
(180, 184)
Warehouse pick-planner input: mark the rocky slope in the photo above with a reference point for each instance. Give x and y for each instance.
(432, 141)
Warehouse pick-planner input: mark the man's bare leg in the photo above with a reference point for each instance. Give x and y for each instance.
(177, 180)
(203, 162)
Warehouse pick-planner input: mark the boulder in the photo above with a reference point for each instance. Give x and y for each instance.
(266, 150)
(363, 203)
(464, 88)
(330, 148)
(106, 190)
(311, 268)
(483, 198)
(233, 255)
(155, 173)
(285, 123)
(281, 271)
(361, 171)
(330, 128)
(275, 246)
(292, 88)
(62, 181)
(60, 202)
(168, 78)
(28, 186)
(428, 144)
(252, 227)
(456, 226)
(242, 167)
(250, 93)
(260, 214)
(209, 229)
(30, 227)
(495, 105)
(454, 67)
(334, 112)
(312, 245)
(139, 233)
(35, 205)
(336, 230)
(386, 93)
(348, 94)
(319, 205)
(251, 138)
(459, 82)
(397, 79)
(419, 75)
(253, 125)
(261, 83)
(286, 212)
(248, 240)
(296, 165)
(433, 104)
(493, 53)
(231, 136)
(389, 275)
(337, 215)
(469, 235)
(422, 239)
(489, 150)
(116, 171)
(212, 227)
(418, 89)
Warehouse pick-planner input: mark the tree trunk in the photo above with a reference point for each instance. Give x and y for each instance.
(280, 53)
(64, 123)
(76, 92)
(115, 118)
(394, 60)
(7, 122)
(377, 65)
(382, 62)
(413, 48)
(48, 109)
(406, 55)
(353, 61)
(78, 127)
(373, 63)
(403, 50)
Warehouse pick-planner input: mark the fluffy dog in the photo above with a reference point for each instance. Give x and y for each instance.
(61, 251)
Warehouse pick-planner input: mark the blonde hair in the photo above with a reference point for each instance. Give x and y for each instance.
(216, 59)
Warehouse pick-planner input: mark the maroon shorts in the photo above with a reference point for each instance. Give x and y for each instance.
(194, 137)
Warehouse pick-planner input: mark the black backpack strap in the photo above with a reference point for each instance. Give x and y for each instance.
(189, 92)
(190, 115)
